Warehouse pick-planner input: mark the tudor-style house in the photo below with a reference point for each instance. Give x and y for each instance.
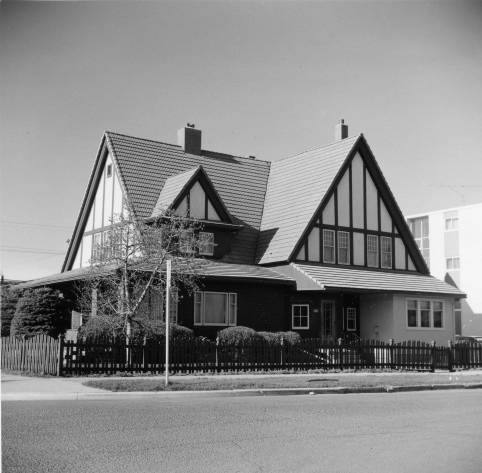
(314, 243)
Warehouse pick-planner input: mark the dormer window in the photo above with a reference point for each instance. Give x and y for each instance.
(206, 243)
(109, 170)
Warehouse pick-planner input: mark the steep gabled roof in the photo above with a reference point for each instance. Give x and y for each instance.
(296, 187)
(175, 189)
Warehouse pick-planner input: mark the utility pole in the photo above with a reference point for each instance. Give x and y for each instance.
(167, 315)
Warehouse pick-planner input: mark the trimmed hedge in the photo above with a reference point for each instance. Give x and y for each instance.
(157, 332)
(102, 328)
(41, 310)
(274, 338)
(238, 336)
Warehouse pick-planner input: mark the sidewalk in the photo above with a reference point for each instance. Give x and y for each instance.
(24, 388)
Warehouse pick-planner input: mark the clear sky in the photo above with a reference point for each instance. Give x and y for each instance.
(268, 79)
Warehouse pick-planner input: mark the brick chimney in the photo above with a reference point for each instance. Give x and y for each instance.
(189, 139)
(341, 130)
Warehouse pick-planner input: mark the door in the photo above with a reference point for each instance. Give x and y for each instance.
(327, 319)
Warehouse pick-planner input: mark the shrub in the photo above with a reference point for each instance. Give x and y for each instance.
(102, 328)
(156, 331)
(238, 336)
(41, 310)
(9, 299)
(274, 338)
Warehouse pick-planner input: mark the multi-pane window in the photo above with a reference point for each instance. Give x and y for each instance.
(372, 251)
(452, 264)
(386, 244)
(97, 247)
(173, 306)
(343, 248)
(328, 246)
(419, 227)
(424, 313)
(215, 308)
(350, 317)
(300, 316)
(451, 220)
(206, 243)
(186, 241)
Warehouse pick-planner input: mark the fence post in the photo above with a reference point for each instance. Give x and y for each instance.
(60, 355)
(217, 355)
(144, 358)
(340, 352)
(390, 351)
(432, 344)
(450, 359)
(282, 343)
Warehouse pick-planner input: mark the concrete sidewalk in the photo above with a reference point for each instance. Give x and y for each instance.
(30, 388)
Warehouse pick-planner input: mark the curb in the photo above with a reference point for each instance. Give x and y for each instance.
(83, 396)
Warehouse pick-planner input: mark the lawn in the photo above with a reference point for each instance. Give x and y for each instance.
(313, 381)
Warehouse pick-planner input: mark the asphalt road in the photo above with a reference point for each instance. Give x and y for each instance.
(403, 432)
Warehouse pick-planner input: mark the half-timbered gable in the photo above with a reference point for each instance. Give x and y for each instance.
(359, 223)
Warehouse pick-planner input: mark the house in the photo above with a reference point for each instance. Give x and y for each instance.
(450, 241)
(314, 243)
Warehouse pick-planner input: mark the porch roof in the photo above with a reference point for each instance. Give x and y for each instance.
(312, 277)
(207, 269)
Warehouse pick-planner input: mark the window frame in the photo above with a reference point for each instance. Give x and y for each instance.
(385, 253)
(353, 317)
(184, 241)
(307, 306)
(453, 259)
(332, 232)
(348, 254)
(418, 314)
(453, 224)
(377, 252)
(229, 305)
(211, 244)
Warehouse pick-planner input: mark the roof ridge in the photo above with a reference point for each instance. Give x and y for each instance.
(353, 138)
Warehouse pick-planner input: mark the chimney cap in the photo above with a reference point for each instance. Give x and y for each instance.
(190, 125)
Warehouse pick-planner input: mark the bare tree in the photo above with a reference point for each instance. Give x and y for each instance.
(128, 266)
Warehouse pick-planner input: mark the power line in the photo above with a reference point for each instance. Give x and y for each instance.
(22, 249)
(40, 225)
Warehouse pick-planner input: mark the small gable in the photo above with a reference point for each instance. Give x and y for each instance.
(193, 195)
(358, 222)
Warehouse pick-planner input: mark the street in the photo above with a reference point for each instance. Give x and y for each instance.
(403, 432)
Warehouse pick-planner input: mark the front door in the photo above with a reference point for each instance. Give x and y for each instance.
(327, 319)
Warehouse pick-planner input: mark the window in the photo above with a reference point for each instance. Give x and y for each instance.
(109, 170)
(343, 248)
(386, 243)
(300, 316)
(424, 314)
(215, 308)
(452, 264)
(173, 306)
(419, 228)
(206, 243)
(97, 247)
(186, 241)
(451, 220)
(328, 246)
(350, 317)
(372, 251)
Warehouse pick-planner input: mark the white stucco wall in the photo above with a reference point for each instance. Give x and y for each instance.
(385, 316)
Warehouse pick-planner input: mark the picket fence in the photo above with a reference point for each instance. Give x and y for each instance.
(45, 355)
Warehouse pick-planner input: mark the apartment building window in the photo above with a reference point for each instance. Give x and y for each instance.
(328, 246)
(386, 243)
(343, 248)
(451, 221)
(420, 231)
(452, 263)
(372, 251)
(424, 314)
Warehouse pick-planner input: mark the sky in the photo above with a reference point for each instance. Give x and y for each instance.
(269, 79)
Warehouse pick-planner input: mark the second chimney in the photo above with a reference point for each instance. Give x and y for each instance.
(189, 139)
(341, 130)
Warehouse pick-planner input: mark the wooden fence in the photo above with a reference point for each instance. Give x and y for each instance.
(39, 355)
(44, 355)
